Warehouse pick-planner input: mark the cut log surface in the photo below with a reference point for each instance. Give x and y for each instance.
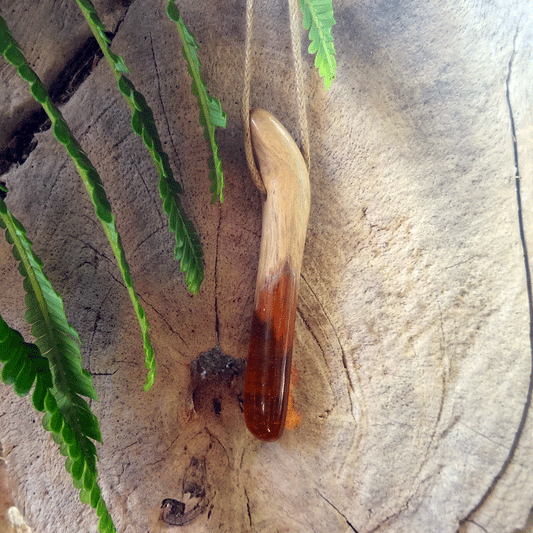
(412, 359)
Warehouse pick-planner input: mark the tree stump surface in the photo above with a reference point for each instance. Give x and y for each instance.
(413, 359)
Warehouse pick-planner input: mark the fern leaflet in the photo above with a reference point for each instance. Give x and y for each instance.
(318, 19)
(12, 52)
(211, 113)
(60, 381)
(187, 249)
(23, 365)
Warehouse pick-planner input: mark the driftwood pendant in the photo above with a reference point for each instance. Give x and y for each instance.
(285, 216)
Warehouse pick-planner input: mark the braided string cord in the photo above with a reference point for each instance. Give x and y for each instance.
(300, 89)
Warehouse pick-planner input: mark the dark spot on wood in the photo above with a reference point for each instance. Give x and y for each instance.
(194, 480)
(75, 72)
(216, 365)
(22, 141)
(216, 379)
(217, 407)
(173, 510)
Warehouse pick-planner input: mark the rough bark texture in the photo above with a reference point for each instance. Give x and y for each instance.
(413, 341)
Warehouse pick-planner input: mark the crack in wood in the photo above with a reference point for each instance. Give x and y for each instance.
(310, 329)
(479, 525)
(142, 241)
(248, 508)
(148, 304)
(22, 140)
(93, 248)
(97, 318)
(344, 358)
(387, 520)
(343, 354)
(445, 368)
(177, 160)
(164, 454)
(337, 510)
(435, 428)
(167, 323)
(510, 108)
(150, 194)
(217, 440)
(527, 402)
(482, 435)
(121, 283)
(88, 125)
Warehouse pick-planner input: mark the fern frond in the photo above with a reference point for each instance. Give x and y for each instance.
(187, 249)
(59, 378)
(23, 364)
(12, 52)
(318, 19)
(211, 113)
(57, 340)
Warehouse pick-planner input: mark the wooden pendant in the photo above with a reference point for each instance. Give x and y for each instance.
(285, 216)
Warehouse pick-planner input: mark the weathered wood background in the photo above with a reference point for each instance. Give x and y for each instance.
(413, 356)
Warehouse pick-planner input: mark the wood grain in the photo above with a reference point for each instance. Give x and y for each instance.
(412, 336)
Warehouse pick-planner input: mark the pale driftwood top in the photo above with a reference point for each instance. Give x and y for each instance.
(286, 207)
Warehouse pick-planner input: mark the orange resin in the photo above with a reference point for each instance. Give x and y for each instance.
(267, 382)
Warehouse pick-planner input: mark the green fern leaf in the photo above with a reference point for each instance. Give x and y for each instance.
(67, 416)
(318, 19)
(55, 337)
(211, 113)
(78, 423)
(95, 188)
(142, 123)
(28, 356)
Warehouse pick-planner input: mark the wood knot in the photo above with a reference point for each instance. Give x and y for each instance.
(217, 381)
(194, 494)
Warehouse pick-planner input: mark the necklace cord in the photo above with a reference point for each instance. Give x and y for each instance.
(294, 13)
(256, 176)
(294, 16)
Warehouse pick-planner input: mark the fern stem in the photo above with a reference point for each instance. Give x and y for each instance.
(94, 186)
(104, 47)
(60, 378)
(89, 175)
(188, 249)
(211, 113)
(54, 364)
